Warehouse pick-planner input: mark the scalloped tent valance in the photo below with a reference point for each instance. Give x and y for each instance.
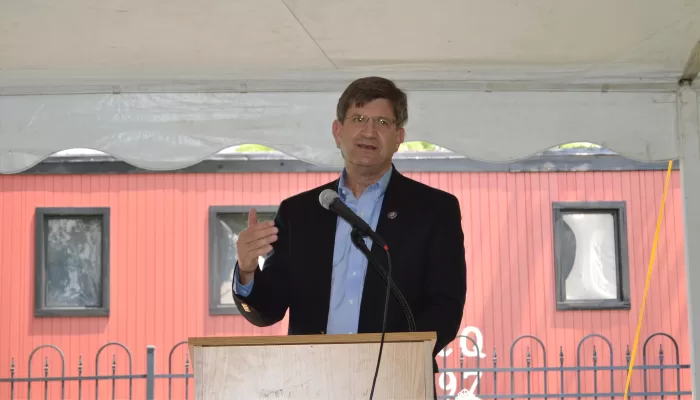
(163, 131)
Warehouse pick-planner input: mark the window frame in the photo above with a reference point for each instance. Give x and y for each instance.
(215, 307)
(619, 211)
(40, 307)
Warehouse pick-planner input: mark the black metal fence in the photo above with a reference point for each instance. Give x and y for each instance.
(118, 386)
(527, 373)
(594, 374)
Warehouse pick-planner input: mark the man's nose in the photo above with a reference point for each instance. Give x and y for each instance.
(371, 128)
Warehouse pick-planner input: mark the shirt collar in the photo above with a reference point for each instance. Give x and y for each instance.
(379, 186)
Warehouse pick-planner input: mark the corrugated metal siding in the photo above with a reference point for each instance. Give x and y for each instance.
(159, 266)
(508, 222)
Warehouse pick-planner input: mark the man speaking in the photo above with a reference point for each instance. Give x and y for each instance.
(313, 268)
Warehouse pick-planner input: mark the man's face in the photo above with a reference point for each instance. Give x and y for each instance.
(368, 136)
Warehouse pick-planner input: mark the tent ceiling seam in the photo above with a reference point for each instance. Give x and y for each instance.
(308, 33)
(328, 86)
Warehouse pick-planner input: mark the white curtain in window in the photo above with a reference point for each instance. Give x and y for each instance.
(594, 273)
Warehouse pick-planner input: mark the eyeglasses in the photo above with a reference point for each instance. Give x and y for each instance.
(382, 122)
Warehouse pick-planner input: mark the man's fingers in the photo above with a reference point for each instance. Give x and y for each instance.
(252, 256)
(252, 217)
(257, 233)
(255, 241)
(263, 250)
(262, 242)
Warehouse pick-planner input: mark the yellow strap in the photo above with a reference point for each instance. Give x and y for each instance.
(646, 286)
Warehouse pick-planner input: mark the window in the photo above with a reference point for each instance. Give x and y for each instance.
(225, 223)
(590, 256)
(72, 262)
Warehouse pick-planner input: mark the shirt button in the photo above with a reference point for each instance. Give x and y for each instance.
(354, 273)
(350, 301)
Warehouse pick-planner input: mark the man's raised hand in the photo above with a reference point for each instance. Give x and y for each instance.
(254, 241)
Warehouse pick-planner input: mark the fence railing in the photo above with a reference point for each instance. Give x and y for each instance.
(594, 375)
(529, 373)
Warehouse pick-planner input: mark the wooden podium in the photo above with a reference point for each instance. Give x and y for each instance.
(329, 367)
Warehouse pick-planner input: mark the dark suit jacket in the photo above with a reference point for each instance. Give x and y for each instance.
(428, 265)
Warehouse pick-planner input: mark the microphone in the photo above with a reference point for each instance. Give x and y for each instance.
(330, 200)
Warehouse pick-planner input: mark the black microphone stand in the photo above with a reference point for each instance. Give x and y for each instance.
(359, 242)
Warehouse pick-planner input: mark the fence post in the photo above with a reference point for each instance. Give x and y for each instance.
(150, 371)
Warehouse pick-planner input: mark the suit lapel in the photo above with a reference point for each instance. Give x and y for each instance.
(392, 216)
(390, 226)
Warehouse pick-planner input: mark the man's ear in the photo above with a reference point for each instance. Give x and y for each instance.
(400, 138)
(337, 129)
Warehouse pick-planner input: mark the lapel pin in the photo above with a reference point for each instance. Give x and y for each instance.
(391, 215)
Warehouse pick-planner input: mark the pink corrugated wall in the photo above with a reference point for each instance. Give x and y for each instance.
(159, 268)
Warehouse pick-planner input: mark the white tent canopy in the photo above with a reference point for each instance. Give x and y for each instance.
(210, 38)
(165, 84)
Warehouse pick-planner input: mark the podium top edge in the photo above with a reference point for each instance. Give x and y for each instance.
(393, 337)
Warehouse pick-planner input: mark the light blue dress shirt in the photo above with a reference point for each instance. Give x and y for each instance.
(349, 264)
